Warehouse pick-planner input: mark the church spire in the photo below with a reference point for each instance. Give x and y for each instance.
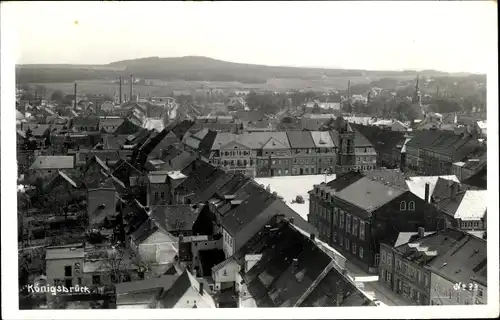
(417, 99)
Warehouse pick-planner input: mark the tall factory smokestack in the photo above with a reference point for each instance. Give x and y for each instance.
(131, 86)
(74, 101)
(349, 90)
(120, 90)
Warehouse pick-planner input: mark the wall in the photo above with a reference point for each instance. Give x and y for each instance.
(227, 243)
(160, 247)
(443, 293)
(197, 246)
(192, 297)
(228, 273)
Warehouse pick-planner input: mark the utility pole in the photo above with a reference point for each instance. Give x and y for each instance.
(74, 102)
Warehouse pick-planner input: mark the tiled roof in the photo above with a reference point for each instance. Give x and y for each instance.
(254, 201)
(478, 180)
(180, 287)
(322, 139)
(146, 229)
(53, 162)
(175, 217)
(110, 122)
(417, 184)
(382, 140)
(65, 252)
(203, 175)
(164, 282)
(444, 142)
(284, 272)
(394, 177)
(405, 237)
(237, 181)
(366, 193)
(466, 205)
(157, 178)
(208, 192)
(85, 121)
(464, 262)
(37, 130)
(300, 139)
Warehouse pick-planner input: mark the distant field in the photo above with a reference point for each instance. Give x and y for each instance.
(161, 87)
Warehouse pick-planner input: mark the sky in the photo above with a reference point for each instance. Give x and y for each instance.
(452, 36)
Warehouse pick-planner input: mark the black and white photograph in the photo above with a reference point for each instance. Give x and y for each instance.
(249, 155)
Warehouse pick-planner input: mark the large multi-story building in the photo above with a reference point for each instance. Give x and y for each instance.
(357, 211)
(267, 154)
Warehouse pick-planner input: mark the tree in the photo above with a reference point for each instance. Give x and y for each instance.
(316, 109)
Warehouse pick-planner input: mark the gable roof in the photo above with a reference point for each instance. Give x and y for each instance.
(322, 139)
(300, 139)
(254, 201)
(53, 162)
(444, 142)
(164, 282)
(174, 217)
(180, 287)
(146, 229)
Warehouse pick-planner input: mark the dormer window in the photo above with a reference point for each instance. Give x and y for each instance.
(402, 206)
(411, 206)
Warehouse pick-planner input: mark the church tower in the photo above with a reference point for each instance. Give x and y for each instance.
(346, 157)
(417, 97)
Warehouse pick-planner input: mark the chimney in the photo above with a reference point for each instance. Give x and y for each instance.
(201, 288)
(291, 220)
(453, 190)
(120, 90)
(427, 191)
(74, 102)
(312, 236)
(295, 262)
(421, 232)
(131, 86)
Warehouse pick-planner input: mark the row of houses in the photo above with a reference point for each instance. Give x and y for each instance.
(208, 241)
(264, 154)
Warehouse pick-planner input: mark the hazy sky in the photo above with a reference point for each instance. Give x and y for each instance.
(448, 36)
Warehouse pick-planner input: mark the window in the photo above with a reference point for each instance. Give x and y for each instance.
(411, 206)
(341, 220)
(398, 265)
(404, 268)
(417, 276)
(335, 237)
(163, 195)
(458, 297)
(377, 259)
(389, 276)
(355, 226)
(80, 281)
(402, 206)
(480, 292)
(67, 271)
(341, 240)
(347, 244)
(361, 252)
(348, 223)
(335, 216)
(68, 283)
(96, 279)
(383, 256)
(426, 280)
(354, 248)
(389, 258)
(362, 230)
(156, 196)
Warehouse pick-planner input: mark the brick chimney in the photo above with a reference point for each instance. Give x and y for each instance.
(421, 232)
(427, 193)
(312, 236)
(201, 288)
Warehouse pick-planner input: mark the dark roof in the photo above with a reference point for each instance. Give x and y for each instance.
(176, 159)
(275, 281)
(85, 121)
(37, 130)
(254, 201)
(463, 262)
(146, 229)
(237, 181)
(441, 242)
(300, 139)
(183, 283)
(382, 140)
(209, 191)
(111, 122)
(175, 217)
(478, 180)
(114, 142)
(335, 290)
(444, 142)
(134, 216)
(209, 259)
(250, 116)
(202, 176)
